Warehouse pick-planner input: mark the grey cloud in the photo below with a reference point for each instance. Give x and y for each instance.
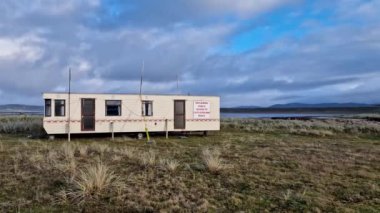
(333, 63)
(259, 84)
(167, 12)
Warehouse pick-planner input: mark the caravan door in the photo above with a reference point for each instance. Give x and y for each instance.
(88, 114)
(179, 114)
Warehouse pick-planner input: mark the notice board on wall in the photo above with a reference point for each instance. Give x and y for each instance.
(201, 109)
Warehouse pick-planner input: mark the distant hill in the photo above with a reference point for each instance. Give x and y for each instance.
(321, 105)
(20, 108)
(248, 107)
(354, 108)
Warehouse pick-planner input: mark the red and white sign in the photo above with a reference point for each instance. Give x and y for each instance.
(201, 109)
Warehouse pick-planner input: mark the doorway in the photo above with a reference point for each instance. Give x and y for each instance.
(88, 114)
(179, 114)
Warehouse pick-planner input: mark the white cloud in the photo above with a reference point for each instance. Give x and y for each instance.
(359, 9)
(285, 79)
(21, 8)
(243, 8)
(25, 48)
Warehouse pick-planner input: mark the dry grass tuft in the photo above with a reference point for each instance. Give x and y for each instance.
(71, 166)
(148, 158)
(129, 152)
(100, 148)
(68, 151)
(116, 158)
(82, 150)
(93, 181)
(211, 159)
(68, 167)
(36, 159)
(170, 165)
(51, 156)
(63, 196)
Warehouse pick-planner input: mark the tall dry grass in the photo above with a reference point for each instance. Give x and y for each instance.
(148, 158)
(169, 164)
(82, 150)
(101, 149)
(129, 152)
(68, 150)
(16, 158)
(211, 159)
(91, 182)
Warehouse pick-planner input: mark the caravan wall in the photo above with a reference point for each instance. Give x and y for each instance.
(103, 113)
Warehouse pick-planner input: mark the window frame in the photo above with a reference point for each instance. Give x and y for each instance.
(120, 111)
(143, 109)
(45, 108)
(55, 107)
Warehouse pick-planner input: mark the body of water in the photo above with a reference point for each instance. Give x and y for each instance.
(279, 115)
(231, 115)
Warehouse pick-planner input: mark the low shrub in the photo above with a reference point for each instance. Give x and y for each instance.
(22, 125)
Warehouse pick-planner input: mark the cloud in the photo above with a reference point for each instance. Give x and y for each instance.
(105, 43)
(367, 10)
(166, 54)
(241, 8)
(23, 48)
(116, 13)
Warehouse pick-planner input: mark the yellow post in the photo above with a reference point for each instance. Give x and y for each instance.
(147, 134)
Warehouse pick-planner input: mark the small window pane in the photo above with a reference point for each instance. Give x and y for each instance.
(147, 108)
(47, 107)
(59, 107)
(113, 108)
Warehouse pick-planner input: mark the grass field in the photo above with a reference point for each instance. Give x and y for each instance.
(250, 165)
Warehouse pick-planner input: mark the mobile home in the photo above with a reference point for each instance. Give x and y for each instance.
(118, 113)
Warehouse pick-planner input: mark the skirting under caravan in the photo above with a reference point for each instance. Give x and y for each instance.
(118, 113)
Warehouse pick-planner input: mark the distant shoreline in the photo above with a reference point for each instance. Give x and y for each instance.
(322, 110)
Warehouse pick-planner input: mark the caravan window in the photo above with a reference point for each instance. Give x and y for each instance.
(113, 108)
(147, 108)
(47, 107)
(59, 109)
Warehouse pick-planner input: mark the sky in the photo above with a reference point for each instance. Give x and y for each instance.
(248, 52)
